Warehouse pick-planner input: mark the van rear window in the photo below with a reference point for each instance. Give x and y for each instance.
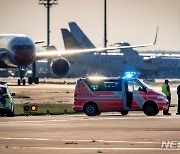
(105, 85)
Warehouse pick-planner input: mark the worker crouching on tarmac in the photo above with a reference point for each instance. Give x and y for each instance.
(167, 92)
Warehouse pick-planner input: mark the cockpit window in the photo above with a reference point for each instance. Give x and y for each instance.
(23, 47)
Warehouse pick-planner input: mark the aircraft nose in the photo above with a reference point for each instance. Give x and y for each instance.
(24, 57)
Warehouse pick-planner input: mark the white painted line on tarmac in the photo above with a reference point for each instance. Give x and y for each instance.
(35, 121)
(103, 141)
(24, 138)
(96, 148)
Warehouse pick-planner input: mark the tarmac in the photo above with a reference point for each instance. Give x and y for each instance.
(108, 133)
(78, 134)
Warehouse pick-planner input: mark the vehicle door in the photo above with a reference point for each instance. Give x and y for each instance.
(134, 92)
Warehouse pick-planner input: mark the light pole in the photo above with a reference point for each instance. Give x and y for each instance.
(48, 4)
(105, 26)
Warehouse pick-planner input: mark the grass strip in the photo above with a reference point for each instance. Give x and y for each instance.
(43, 109)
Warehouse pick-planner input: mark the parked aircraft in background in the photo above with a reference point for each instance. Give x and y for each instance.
(19, 51)
(146, 65)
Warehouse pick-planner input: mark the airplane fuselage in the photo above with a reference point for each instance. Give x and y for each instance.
(16, 51)
(119, 63)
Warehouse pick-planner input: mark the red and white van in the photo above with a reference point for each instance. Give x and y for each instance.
(95, 95)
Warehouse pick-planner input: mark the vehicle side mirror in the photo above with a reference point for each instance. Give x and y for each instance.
(13, 94)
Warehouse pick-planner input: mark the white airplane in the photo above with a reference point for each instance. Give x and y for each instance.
(146, 65)
(19, 51)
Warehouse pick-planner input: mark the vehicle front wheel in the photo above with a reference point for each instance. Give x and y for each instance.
(150, 109)
(90, 110)
(10, 113)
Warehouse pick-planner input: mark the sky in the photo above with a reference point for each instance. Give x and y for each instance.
(133, 21)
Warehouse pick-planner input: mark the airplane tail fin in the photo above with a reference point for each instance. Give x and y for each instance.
(82, 39)
(70, 42)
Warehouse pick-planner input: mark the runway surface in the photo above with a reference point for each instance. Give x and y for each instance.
(107, 133)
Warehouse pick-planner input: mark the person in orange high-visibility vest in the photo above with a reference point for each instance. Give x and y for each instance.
(167, 92)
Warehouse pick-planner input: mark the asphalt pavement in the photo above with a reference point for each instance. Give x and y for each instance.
(108, 133)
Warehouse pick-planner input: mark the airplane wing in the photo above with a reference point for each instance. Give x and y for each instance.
(159, 55)
(54, 54)
(40, 41)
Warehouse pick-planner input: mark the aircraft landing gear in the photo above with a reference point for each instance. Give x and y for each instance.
(33, 78)
(21, 80)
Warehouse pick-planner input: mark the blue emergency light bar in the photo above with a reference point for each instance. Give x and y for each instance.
(129, 75)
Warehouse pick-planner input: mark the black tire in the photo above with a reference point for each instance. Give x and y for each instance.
(10, 113)
(150, 109)
(24, 82)
(90, 110)
(19, 82)
(124, 112)
(30, 80)
(36, 81)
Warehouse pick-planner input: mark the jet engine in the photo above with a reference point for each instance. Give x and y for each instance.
(60, 66)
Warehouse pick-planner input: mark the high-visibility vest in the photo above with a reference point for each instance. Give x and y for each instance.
(164, 90)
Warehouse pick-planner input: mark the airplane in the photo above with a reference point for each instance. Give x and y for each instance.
(19, 51)
(147, 66)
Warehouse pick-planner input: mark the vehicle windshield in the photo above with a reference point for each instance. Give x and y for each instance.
(145, 85)
(2, 90)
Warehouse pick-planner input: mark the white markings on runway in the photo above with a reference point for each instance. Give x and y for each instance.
(95, 148)
(103, 141)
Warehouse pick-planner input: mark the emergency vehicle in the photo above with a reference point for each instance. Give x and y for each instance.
(6, 100)
(95, 95)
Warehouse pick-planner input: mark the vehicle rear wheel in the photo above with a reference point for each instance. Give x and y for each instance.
(150, 109)
(90, 110)
(124, 112)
